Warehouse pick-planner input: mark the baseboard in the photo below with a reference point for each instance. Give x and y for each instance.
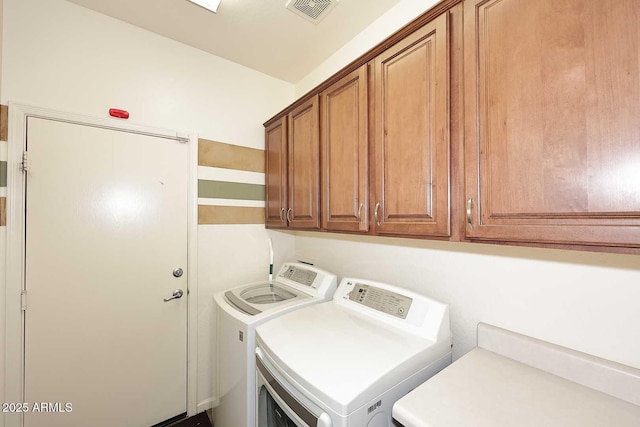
(207, 404)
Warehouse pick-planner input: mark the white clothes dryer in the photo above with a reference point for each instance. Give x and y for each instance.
(238, 312)
(345, 362)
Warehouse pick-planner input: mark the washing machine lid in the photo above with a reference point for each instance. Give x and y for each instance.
(257, 298)
(345, 353)
(294, 282)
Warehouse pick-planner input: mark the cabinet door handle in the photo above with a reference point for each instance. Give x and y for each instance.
(282, 215)
(375, 214)
(289, 211)
(469, 219)
(360, 212)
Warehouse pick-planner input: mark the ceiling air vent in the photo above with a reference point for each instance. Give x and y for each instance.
(312, 10)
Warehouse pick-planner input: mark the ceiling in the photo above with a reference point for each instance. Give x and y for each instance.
(260, 34)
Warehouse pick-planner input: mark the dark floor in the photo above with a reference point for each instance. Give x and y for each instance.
(200, 420)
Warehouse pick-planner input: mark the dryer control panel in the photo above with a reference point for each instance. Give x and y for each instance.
(382, 300)
(402, 307)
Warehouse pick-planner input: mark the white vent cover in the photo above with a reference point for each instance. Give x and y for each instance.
(311, 10)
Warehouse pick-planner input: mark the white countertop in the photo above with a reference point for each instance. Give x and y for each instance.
(486, 389)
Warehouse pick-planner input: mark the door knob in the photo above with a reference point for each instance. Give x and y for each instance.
(176, 294)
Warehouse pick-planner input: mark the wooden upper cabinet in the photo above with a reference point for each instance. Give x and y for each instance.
(411, 137)
(343, 119)
(552, 121)
(304, 166)
(276, 174)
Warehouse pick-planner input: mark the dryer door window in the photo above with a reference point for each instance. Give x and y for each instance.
(275, 404)
(275, 416)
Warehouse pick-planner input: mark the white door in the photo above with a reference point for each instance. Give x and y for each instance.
(106, 225)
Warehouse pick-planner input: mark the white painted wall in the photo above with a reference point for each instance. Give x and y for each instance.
(59, 55)
(1, 31)
(395, 18)
(586, 301)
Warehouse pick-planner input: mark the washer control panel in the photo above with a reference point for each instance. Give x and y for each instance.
(383, 300)
(299, 275)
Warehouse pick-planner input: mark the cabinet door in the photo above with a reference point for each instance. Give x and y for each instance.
(276, 174)
(304, 166)
(411, 139)
(343, 121)
(552, 136)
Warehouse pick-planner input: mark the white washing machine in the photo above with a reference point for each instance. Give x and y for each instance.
(345, 362)
(238, 312)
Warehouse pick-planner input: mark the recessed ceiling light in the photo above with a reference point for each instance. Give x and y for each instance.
(212, 5)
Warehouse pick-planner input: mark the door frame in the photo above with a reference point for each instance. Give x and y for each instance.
(15, 249)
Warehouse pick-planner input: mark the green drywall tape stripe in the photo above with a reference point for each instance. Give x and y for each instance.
(230, 190)
(3, 174)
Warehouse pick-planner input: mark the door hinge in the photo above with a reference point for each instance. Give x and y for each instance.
(23, 300)
(24, 165)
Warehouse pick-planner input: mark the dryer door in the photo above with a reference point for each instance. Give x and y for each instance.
(276, 404)
(274, 414)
